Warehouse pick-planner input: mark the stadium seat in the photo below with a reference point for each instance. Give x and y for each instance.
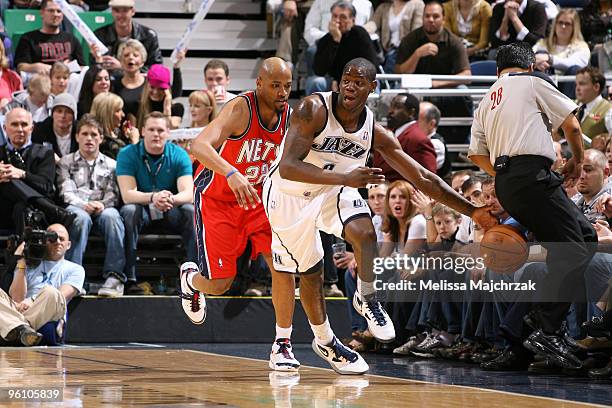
(484, 68)
(18, 22)
(93, 20)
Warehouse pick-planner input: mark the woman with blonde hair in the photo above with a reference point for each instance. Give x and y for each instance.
(564, 51)
(107, 108)
(469, 19)
(10, 81)
(202, 107)
(132, 56)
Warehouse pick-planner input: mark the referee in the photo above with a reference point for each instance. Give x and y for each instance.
(511, 140)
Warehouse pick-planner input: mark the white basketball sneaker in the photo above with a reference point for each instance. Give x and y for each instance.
(379, 322)
(341, 358)
(192, 300)
(281, 356)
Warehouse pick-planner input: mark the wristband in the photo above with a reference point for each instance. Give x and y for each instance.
(151, 198)
(228, 175)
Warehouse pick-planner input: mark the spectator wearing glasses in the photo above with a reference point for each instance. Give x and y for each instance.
(564, 51)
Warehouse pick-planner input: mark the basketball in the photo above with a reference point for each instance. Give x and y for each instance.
(504, 249)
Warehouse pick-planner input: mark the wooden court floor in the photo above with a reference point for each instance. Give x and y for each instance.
(92, 377)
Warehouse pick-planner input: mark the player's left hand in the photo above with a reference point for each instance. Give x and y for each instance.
(571, 170)
(245, 194)
(483, 217)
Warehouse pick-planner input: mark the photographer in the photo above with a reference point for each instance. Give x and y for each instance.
(39, 294)
(27, 173)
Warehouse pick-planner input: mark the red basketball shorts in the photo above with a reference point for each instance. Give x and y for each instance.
(222, 231)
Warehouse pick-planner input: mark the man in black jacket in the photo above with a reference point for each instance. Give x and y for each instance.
(27, 173)
(516, 20)
(344, 42)
(59, 129)
(125, 27)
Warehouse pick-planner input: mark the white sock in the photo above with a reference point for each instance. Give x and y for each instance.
(323, 332)
(366, 289)
(283, 333)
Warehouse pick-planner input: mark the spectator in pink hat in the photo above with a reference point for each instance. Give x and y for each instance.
(157, 96)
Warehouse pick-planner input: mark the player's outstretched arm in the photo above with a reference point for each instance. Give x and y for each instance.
(233, 120)
(426, 181)
(307, 120)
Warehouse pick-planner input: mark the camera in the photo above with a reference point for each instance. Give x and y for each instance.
(34, 236)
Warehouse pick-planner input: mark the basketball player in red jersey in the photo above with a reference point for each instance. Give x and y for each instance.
(234, 153)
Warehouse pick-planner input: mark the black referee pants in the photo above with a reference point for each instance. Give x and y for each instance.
(533, 194)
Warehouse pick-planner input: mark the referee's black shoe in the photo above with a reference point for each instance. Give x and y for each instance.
(553, 348)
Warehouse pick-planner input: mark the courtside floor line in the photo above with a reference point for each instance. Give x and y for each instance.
(514, 394)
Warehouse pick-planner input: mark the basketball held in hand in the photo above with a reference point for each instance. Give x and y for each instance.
(504, 249)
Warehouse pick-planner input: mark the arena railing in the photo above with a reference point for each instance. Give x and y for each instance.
(419, 85)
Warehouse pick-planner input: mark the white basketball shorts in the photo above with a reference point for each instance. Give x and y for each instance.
(296, 222)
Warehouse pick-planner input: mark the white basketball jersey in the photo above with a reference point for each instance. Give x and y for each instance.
(333, 149)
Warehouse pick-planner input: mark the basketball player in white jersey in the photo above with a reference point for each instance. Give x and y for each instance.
(313, 187)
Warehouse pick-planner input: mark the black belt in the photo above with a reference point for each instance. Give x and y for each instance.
(502, 163)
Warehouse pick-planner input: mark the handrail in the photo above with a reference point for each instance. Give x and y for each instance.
(432, 92)
(476, 78)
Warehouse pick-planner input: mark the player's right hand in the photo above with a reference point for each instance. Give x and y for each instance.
(245, 194)
(362, 176)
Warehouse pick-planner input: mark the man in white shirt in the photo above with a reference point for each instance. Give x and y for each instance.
(216, 76)
(512, 141)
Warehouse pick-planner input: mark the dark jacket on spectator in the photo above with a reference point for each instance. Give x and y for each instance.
(43, 133)
(144, 34)
(417, 145)
(39, 167)
(533, 17)
(331, 57)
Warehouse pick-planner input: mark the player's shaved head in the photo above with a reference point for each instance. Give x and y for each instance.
(273, 67)
(274, 83)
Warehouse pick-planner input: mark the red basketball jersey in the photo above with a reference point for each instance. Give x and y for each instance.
(251, 153)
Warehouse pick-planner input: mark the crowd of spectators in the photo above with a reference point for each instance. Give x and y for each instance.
(91, 151)
(85, 144)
